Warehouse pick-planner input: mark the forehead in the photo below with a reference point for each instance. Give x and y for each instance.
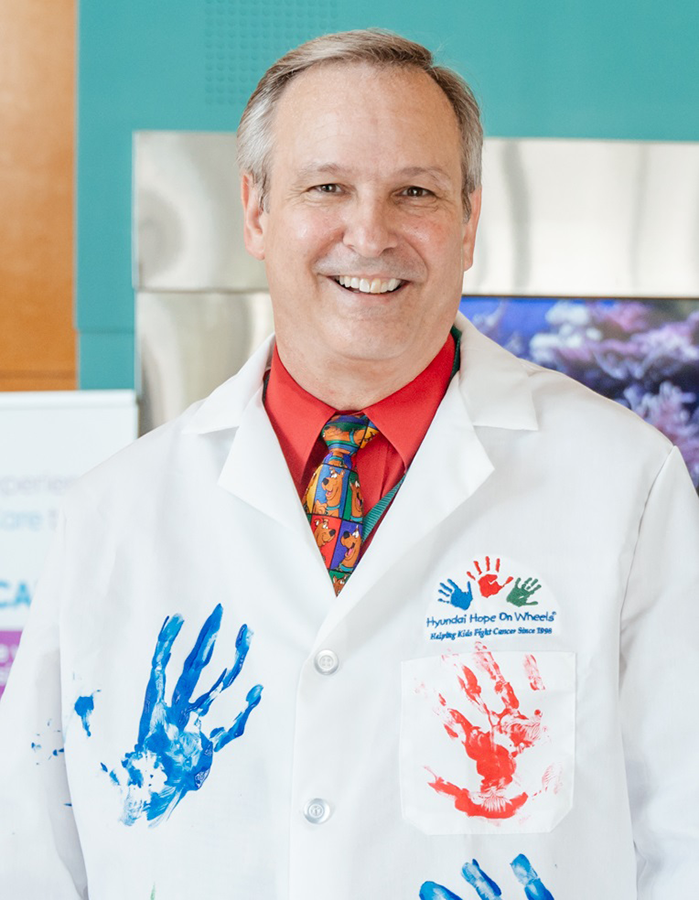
(349, 114)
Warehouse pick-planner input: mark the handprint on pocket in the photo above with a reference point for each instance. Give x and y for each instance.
(451, 593)
(520, 595)
(173, 754)
(487, 579)
(495, 743)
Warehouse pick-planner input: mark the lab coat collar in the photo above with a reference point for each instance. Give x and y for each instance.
(224, 408)
(493, 382)
(502, 399)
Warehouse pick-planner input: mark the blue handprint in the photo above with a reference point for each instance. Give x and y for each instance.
(433, 891)
(173, 755)
(452, 594)
(534, 888)
(486, 888)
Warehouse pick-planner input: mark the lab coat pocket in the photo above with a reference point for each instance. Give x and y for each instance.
(487, 741)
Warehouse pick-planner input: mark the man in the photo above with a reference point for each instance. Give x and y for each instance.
(497, 699)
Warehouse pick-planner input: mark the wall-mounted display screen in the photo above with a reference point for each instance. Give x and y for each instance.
(642, 353)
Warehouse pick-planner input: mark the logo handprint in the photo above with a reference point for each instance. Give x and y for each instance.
(520, 595)
(487, 579)
(451, 593)
(173, 754)
(493, 745)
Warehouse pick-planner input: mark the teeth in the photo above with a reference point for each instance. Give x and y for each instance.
(375, 286)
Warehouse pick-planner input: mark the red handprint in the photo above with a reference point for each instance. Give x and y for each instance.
(494, 748)
(488, 580)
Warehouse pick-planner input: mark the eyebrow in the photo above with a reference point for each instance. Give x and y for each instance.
(313, 170)
(431, 171)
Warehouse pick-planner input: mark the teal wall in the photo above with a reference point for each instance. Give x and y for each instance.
(619, 69)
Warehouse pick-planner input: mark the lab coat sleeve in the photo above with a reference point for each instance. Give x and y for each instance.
(659, 687)
(40, 852)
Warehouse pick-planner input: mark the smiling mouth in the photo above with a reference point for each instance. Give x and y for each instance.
(369, 286)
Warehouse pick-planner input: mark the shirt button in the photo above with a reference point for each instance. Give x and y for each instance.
(317, 811)
(326, 662)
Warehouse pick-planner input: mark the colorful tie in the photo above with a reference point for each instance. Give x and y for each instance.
(333, 498)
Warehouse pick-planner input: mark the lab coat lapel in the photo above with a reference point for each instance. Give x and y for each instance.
(424, 500)
(449, 467)
(255, 470)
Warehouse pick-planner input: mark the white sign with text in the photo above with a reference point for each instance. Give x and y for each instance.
(47, 440)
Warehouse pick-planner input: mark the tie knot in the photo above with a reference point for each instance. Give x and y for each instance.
(345, 433)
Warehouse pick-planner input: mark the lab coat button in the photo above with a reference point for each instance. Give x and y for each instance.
(317, 811)
(326, 662)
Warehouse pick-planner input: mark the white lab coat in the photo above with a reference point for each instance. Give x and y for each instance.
(573, 685)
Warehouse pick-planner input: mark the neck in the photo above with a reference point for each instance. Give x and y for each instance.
(355, 384)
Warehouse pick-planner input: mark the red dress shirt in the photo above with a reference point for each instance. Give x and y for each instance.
(401, 418)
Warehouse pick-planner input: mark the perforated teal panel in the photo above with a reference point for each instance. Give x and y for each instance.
(149, 64)
(555, 68)
(242, 39)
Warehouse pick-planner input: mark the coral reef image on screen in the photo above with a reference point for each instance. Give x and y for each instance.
(642, 353)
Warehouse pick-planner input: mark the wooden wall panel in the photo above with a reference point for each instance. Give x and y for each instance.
(37, 113)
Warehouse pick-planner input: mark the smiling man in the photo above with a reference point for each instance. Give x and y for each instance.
(391, 614)
(364, 227)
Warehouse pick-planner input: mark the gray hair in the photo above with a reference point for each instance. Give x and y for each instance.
(375, 47)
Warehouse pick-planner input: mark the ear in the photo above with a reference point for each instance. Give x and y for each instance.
(253, 223)
(470, 228)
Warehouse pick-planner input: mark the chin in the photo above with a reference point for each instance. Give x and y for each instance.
(370, 348)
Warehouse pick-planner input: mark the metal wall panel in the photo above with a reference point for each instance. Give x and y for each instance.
(188, 223)
(191, 343)
(560, 218)
(588, 219)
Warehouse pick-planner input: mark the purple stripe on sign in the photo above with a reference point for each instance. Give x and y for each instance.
(9, 642)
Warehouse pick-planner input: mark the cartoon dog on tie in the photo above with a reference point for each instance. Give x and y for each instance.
(352, 541)
(339, 581)
(322, 532)
(357, 500)
(332, 485)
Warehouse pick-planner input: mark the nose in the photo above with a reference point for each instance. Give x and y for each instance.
(370, 227)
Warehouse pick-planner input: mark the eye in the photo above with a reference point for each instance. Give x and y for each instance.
(415, 191)
(327, 188)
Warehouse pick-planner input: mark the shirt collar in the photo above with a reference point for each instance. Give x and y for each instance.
(404, 416)
(296, 416)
